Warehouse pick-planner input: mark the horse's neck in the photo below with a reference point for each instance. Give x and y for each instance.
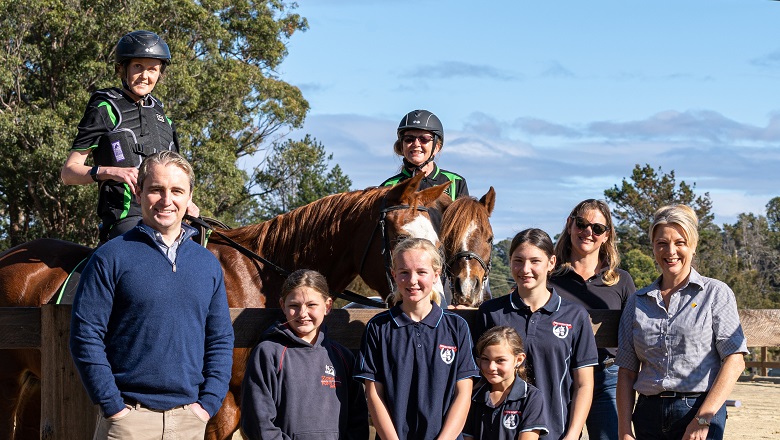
(316, 238)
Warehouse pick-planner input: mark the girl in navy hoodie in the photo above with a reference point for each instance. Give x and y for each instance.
(298, 383)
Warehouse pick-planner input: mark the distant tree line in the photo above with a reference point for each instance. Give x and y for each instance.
(745, 255)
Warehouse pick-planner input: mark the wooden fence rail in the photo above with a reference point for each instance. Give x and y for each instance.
(67, 413)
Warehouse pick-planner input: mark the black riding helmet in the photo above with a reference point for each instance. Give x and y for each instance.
(420, 120)
(142, 44)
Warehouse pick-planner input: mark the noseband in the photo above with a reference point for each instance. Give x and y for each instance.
(468, 255)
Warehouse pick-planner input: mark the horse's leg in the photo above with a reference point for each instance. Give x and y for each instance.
(225, 421)
(20, 398)
(28, 418)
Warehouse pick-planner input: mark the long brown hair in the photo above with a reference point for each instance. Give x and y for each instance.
(608, 253)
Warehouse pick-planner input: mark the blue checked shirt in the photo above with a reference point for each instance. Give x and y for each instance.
(679, 349)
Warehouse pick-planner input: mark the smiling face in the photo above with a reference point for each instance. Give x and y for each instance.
(417, 151)
(415, 276)
(672, 252)
(585, 241)
(164, 198)
(530, 267)
(497, 364)
(141, 75)
(305, 309)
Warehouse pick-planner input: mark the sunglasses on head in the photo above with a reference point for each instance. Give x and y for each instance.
(423, 138)
(583, 224)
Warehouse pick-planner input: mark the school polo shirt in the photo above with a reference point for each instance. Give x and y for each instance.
(557, 338)
(523, 410)
(419, 364)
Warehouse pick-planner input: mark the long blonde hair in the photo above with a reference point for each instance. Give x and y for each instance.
(608, 252)
(417, 244)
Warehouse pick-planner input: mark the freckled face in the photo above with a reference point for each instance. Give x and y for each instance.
(305, 309)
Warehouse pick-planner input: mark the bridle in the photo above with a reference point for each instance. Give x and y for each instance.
(468, 255)
(386, 248)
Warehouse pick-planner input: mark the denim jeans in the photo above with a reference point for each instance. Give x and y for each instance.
(667, 418)
(602, 419)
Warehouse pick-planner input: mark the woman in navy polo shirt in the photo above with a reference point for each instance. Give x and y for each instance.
(680, 342)
(587, 273)
(416, 359)
(557, 333)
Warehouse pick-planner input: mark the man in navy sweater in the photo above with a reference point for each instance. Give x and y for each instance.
(151, 334)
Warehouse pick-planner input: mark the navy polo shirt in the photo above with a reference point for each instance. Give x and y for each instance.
(419, 364)
(594, 294)
(523, 410)
(558, 338)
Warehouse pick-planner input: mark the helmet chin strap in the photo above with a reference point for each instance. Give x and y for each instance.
(420, 167)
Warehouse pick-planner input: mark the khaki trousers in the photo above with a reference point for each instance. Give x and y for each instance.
(141, 423)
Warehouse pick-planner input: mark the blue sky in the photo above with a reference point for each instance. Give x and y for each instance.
(551, 102)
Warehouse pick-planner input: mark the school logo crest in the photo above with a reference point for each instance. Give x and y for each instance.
(447, 353)
(511, 419)
(561, 329)
(330, 379)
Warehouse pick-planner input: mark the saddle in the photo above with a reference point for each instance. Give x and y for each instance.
(67, 291)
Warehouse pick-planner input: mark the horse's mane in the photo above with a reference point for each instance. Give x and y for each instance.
(301, 232)
(452, 230)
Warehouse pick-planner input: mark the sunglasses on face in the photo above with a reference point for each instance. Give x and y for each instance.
(583, 224)
(424, 139)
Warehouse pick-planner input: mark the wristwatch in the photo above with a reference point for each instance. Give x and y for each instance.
(93, 172)
(703, 421)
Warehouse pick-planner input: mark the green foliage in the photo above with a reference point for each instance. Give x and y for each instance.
(295, 174)
(745, 255)
(501, 281)
(640, 266)
(221, 90)
(635, 202)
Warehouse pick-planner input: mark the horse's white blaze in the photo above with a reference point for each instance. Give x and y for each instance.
(421, 227)
(468, 284)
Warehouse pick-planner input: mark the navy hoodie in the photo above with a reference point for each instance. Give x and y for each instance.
(296, 390)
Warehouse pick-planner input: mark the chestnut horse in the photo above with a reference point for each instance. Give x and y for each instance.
(342, 236)
(467, 239)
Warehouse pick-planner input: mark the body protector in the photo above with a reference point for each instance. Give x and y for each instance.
(140, 130)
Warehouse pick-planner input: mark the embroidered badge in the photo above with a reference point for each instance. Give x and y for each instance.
(561, 329)
(330, 379)
(511, 419)
(447, 353)
(160, 117)
(118, 155)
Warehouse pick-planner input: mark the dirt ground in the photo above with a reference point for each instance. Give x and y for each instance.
(758, 417)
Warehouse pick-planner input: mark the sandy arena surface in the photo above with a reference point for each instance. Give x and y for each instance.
(758, 418)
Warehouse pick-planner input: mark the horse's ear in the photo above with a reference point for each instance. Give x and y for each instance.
(443, 202)
(431, 195)
(489, 200)
(405, 189)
